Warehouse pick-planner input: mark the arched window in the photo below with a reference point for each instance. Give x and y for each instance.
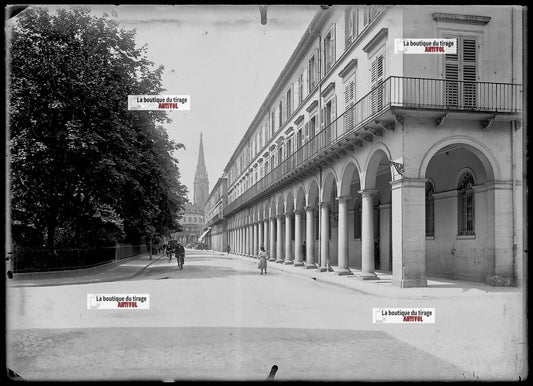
(430, 209)
(465, 204)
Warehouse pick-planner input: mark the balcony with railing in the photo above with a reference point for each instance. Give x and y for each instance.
(484, 101)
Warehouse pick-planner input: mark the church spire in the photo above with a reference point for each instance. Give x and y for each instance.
(201, 181)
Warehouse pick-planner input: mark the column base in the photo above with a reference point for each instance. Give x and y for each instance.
(368, 276)
(409, 283)
(500, 280)
(280, 261)
(298, 264)
(325, 269)
(343, 271)
(310, 266)
(272, 259)
(288, 262)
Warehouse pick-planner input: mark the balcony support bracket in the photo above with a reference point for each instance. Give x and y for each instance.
(485, 124)
(440, 121)
(387, 125)
(398, 118)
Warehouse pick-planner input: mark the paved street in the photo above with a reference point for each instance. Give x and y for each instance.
(220, 319)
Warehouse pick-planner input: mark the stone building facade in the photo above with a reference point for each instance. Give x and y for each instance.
(364, 159)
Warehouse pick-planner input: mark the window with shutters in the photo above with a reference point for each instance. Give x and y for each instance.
(289, 102)
(329, 49)
(351, 22)
(288, 148)
(312, 127)
(267, 170)
(465, 205)
(349, 101)
(377, 77)
(300, 88)
(312, 71)
(461, 74)
(272, 123)
(328, 117)
(430, 209)
(280, 155)
(272, 161)
(280, 109)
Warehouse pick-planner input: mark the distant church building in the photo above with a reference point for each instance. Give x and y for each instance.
(201, 181)
(192, 220)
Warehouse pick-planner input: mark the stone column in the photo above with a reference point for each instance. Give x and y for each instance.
(343, 268)
(367, 234)
(298, 255)
(265, 234)
(310, 237)
(385, 237)
(272, 248)
(254, 241)
(324, 236)
(260, 236)
(279, 241)
(408, 233)
(288, 239)
(248, 239)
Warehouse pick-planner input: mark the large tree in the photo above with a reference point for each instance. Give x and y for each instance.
(85, 170)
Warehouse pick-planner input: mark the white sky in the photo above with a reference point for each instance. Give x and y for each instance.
(224, 59)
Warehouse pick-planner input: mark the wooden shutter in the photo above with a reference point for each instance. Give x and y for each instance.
(469, 72)
(349, 100)
(332, 45)
(451, 74)
(348, 22)
(377, 70)
(317, 64)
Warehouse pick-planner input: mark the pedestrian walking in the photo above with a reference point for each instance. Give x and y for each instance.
(263, 257)
(169, 252)
(180, 255)
(228, 249)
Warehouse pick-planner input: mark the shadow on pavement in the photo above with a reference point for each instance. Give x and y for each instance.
(222, 353)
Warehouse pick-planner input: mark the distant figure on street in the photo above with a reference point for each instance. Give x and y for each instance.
(263, 257)
(228, 249)
(168, 250)
(180, 255)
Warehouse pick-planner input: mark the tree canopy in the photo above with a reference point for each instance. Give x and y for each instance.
(85, 171)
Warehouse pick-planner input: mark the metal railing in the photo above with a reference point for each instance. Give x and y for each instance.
(41, 260)
(394, 92)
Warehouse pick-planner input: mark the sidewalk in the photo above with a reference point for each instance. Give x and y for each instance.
(113, 271)
(382, 287)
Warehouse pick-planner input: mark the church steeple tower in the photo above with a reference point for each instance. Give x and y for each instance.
(201, 181)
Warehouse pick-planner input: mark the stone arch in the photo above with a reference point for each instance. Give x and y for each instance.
(289, 201)
(329, 181)
(377, 157)
(313, 193)
(280, 204)
(300, 197)
(484, 154)
(347, 174)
